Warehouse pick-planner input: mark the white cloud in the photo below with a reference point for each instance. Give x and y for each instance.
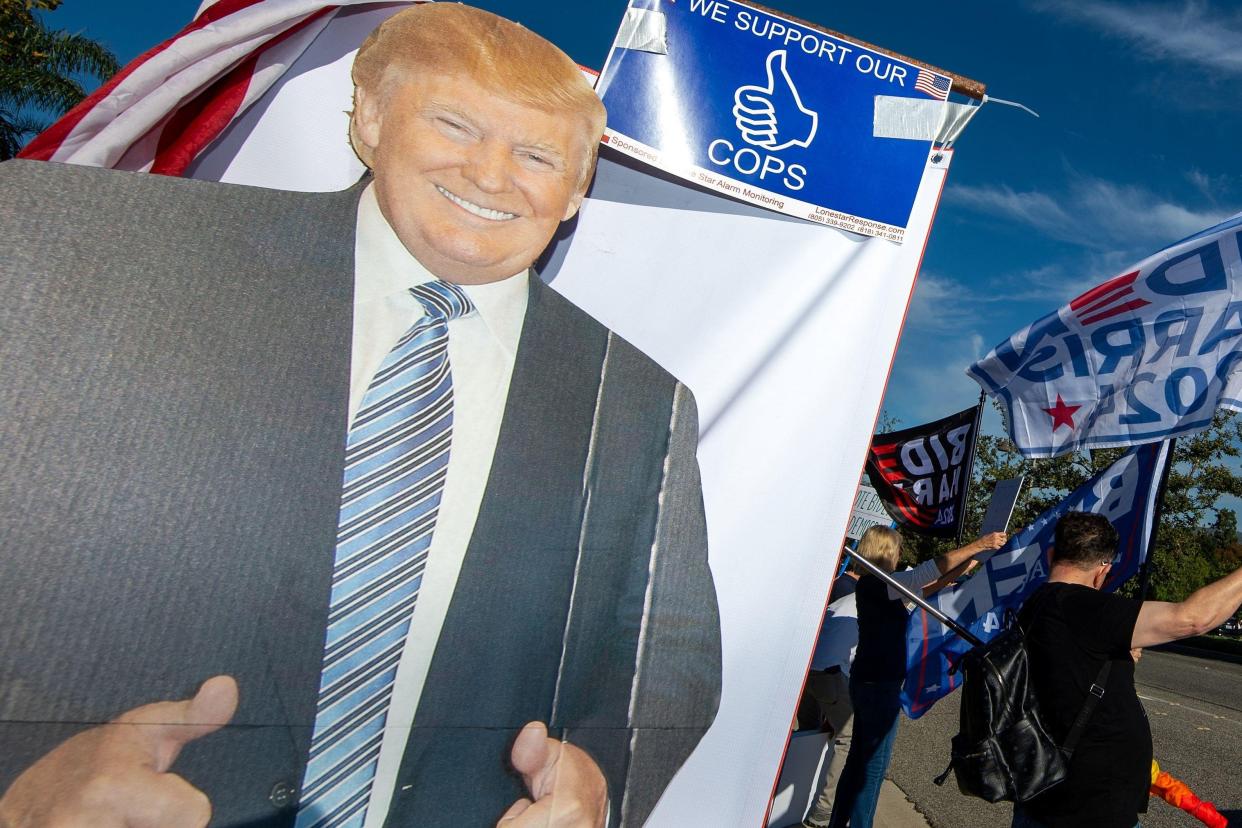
(1209, 186)
(939, 340)
(1049, 285)
(1036, 209)
(976, 347)
(1113, 226)
(929, 376)
(1094, 214)
(1191, 33)
(939, 304)
(1052, 285)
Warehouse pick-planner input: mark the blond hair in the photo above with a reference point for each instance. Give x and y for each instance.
(503, 57)
(881, 546)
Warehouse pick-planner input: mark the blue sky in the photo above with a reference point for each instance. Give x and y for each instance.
(1136, 146)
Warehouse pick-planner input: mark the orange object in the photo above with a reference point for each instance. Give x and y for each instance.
(1176, 792)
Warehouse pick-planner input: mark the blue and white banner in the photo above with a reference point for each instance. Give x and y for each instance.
(1125, 493)
(770, 111)
(1149, 354)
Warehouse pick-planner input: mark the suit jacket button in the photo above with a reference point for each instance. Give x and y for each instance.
(282, 794)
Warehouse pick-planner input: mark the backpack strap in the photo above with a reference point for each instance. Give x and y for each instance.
(1034, 610)
(1094, 695)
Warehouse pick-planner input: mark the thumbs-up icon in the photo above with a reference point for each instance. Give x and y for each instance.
(772, 116)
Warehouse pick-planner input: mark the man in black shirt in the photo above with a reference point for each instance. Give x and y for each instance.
(1072, 629)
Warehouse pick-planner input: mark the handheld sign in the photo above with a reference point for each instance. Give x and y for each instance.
(1000, 507)
(868, 511)
(769, 111)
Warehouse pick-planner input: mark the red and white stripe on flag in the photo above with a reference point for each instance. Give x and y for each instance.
(162, 109)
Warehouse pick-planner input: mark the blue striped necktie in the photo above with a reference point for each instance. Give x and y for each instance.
(396, 457)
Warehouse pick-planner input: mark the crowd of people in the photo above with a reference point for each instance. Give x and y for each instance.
(1072, 630)
(862, 699)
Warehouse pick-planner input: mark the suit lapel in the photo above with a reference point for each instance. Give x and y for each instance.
(524, 547)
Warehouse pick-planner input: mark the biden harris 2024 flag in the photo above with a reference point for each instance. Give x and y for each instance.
(1125, 493)
(1146, 355)
(922, 473)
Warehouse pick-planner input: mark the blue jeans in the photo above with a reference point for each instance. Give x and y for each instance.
(876, 706)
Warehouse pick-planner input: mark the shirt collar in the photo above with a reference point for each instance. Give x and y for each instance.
(386, 268)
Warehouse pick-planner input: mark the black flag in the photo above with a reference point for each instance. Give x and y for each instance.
(922, 473)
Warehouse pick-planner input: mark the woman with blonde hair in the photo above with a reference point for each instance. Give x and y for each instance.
(880, 663)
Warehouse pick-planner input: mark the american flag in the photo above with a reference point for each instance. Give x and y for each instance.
(163, 109)
(935, 85)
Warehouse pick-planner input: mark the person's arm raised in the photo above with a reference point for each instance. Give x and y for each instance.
(949, 577)
(1206, 609)
(955, 558)
(945, 568)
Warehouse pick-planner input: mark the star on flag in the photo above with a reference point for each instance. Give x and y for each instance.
(1062, 414)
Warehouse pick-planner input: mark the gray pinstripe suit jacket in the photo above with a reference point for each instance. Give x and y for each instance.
(174, 362)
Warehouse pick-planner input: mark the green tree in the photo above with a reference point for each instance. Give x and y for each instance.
(39, 68)
(1197, 538)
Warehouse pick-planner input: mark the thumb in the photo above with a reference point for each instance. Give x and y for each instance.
(166, 727)
(775, 66)
(776, 69)
(532, 757)
(211, 708)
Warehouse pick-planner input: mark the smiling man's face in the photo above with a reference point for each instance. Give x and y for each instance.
(474, 185)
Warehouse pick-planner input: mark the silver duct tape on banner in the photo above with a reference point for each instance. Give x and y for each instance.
(916, 119)
(643, 30)
(956, 118)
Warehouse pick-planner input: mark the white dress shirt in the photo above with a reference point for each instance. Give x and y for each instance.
(481, 350)
(838, 637)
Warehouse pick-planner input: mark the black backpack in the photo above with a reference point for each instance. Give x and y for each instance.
(1003, 751)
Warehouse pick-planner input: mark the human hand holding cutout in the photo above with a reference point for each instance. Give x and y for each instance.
(117, 775)
(567, 789)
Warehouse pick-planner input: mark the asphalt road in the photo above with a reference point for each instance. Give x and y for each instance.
(1195, 708)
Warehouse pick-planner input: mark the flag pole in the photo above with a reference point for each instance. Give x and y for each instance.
(918, 599)
(1158, 512)
(970, 466)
